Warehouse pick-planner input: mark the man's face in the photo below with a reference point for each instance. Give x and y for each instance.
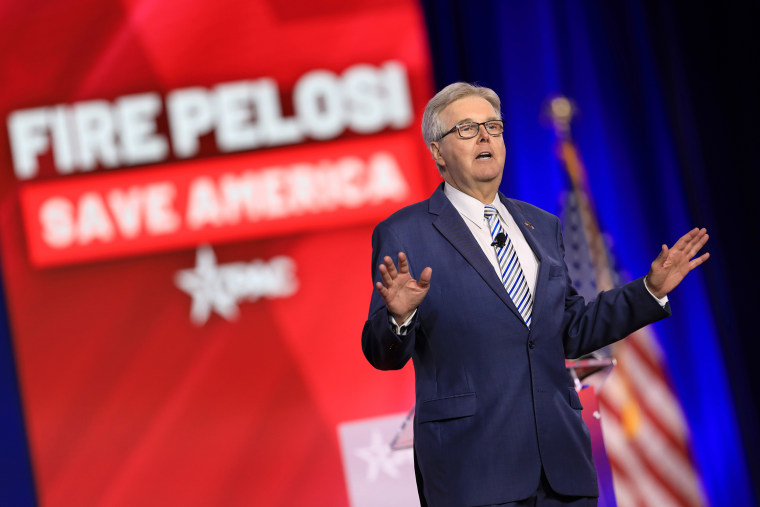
(473, 165)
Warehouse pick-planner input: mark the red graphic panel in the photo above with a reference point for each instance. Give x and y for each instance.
(187, 195)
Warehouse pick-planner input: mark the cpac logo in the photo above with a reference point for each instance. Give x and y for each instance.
(380, 457)
(219, 288)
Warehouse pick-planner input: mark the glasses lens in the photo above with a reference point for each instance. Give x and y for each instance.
(468, 129)
(494, 127)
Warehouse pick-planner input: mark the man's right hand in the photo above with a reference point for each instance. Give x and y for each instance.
(402, 293)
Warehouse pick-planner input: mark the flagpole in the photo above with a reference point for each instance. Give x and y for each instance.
(561, 111)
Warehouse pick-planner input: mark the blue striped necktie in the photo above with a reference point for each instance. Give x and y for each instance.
(511, 273)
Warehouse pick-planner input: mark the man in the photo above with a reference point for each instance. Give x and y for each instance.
(497, 419)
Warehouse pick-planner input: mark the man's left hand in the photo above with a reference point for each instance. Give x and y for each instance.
(673, 264)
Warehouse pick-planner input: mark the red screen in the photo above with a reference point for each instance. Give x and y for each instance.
(188, 194)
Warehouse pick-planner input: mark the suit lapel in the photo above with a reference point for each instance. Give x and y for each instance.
(451, 225)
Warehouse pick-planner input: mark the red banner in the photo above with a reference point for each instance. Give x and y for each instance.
(188, 193)
(248, 196)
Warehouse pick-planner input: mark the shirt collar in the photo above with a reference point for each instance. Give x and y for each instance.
(471, 208)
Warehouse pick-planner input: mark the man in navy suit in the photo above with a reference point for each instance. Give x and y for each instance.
(498, 421)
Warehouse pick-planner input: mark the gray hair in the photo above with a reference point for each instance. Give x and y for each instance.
(432, 129)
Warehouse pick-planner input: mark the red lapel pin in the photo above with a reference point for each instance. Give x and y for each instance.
(529, 225)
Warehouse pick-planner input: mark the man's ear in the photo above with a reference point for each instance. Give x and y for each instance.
(435, 150)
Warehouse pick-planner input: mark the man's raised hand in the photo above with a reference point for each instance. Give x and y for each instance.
(402, 293)
(672, 265)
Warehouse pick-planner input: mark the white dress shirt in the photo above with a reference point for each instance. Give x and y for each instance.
(472, 211)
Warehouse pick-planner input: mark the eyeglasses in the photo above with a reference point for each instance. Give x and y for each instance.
(470, 129)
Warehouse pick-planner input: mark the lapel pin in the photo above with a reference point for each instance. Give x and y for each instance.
(529, 225)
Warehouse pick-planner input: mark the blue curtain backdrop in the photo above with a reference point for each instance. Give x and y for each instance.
(668, 131)
(666, 116)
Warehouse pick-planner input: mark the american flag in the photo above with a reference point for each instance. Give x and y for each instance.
(645, 432)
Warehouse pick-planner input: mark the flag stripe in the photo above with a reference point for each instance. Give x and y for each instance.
(621, 454)
(666, 465)
(655, 398)
(626, 494)
(639, 344)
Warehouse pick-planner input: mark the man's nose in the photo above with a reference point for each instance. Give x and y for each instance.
(483, 133)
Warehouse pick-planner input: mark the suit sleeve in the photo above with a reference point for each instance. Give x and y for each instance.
(381, 346)
(611, 316)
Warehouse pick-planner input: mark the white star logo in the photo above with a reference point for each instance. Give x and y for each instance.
(206, 287)
(380, 457)
(218, 288)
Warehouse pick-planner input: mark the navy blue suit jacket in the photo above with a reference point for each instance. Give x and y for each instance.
(494, 401)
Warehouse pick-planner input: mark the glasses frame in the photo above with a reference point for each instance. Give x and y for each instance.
(459, 133)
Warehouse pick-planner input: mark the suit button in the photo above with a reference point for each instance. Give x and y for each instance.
(531, 344)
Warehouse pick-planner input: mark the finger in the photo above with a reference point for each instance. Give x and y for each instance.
(698, 261)
(381, 289)
(694, 235)
(663, 255)
(390, 266)
(424, 281)
(684, 240)
(385, 275)
(403, 263)
(697, 246)
(681, 241)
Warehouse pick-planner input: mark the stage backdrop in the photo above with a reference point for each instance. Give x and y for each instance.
(622, 64)
(188, 192)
